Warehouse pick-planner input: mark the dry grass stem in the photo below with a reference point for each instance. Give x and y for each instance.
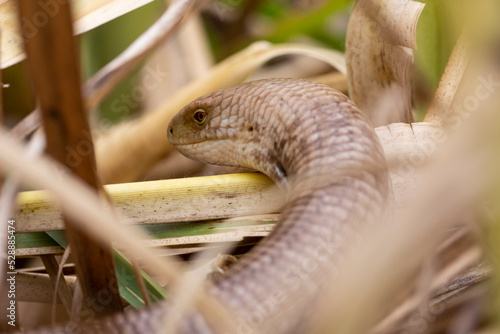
(59, 286)
(27, 125)
(97, 87)
(441, 269)
(185, 56)
(441, 106)
(87, 14)
(210, 197)
(61, 281)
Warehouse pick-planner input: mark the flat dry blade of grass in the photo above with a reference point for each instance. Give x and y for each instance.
(380, 39)
(87, 15)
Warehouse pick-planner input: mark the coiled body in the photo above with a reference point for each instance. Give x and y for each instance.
(320, 149)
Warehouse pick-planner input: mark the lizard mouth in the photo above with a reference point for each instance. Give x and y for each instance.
(196, 143)
(179, 144)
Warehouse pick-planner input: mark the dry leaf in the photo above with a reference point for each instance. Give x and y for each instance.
(379, 58)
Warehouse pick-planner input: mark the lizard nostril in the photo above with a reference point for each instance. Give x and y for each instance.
(171, 131)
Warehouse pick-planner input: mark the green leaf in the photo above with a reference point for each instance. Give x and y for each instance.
(34, 239)
(129, 289)
(312, 22)
(127, 283)
(436, 37)
(59, 237)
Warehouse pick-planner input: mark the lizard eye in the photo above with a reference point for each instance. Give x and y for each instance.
(200, 116)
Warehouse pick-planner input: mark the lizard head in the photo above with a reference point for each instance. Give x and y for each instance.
(223, 128)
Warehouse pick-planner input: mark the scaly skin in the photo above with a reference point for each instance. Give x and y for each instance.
(318, 147)
(321, 150)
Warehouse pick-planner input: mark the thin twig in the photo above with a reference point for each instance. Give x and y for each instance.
(60, 279)
(97, 87)
(27, 125)
(102, 83)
